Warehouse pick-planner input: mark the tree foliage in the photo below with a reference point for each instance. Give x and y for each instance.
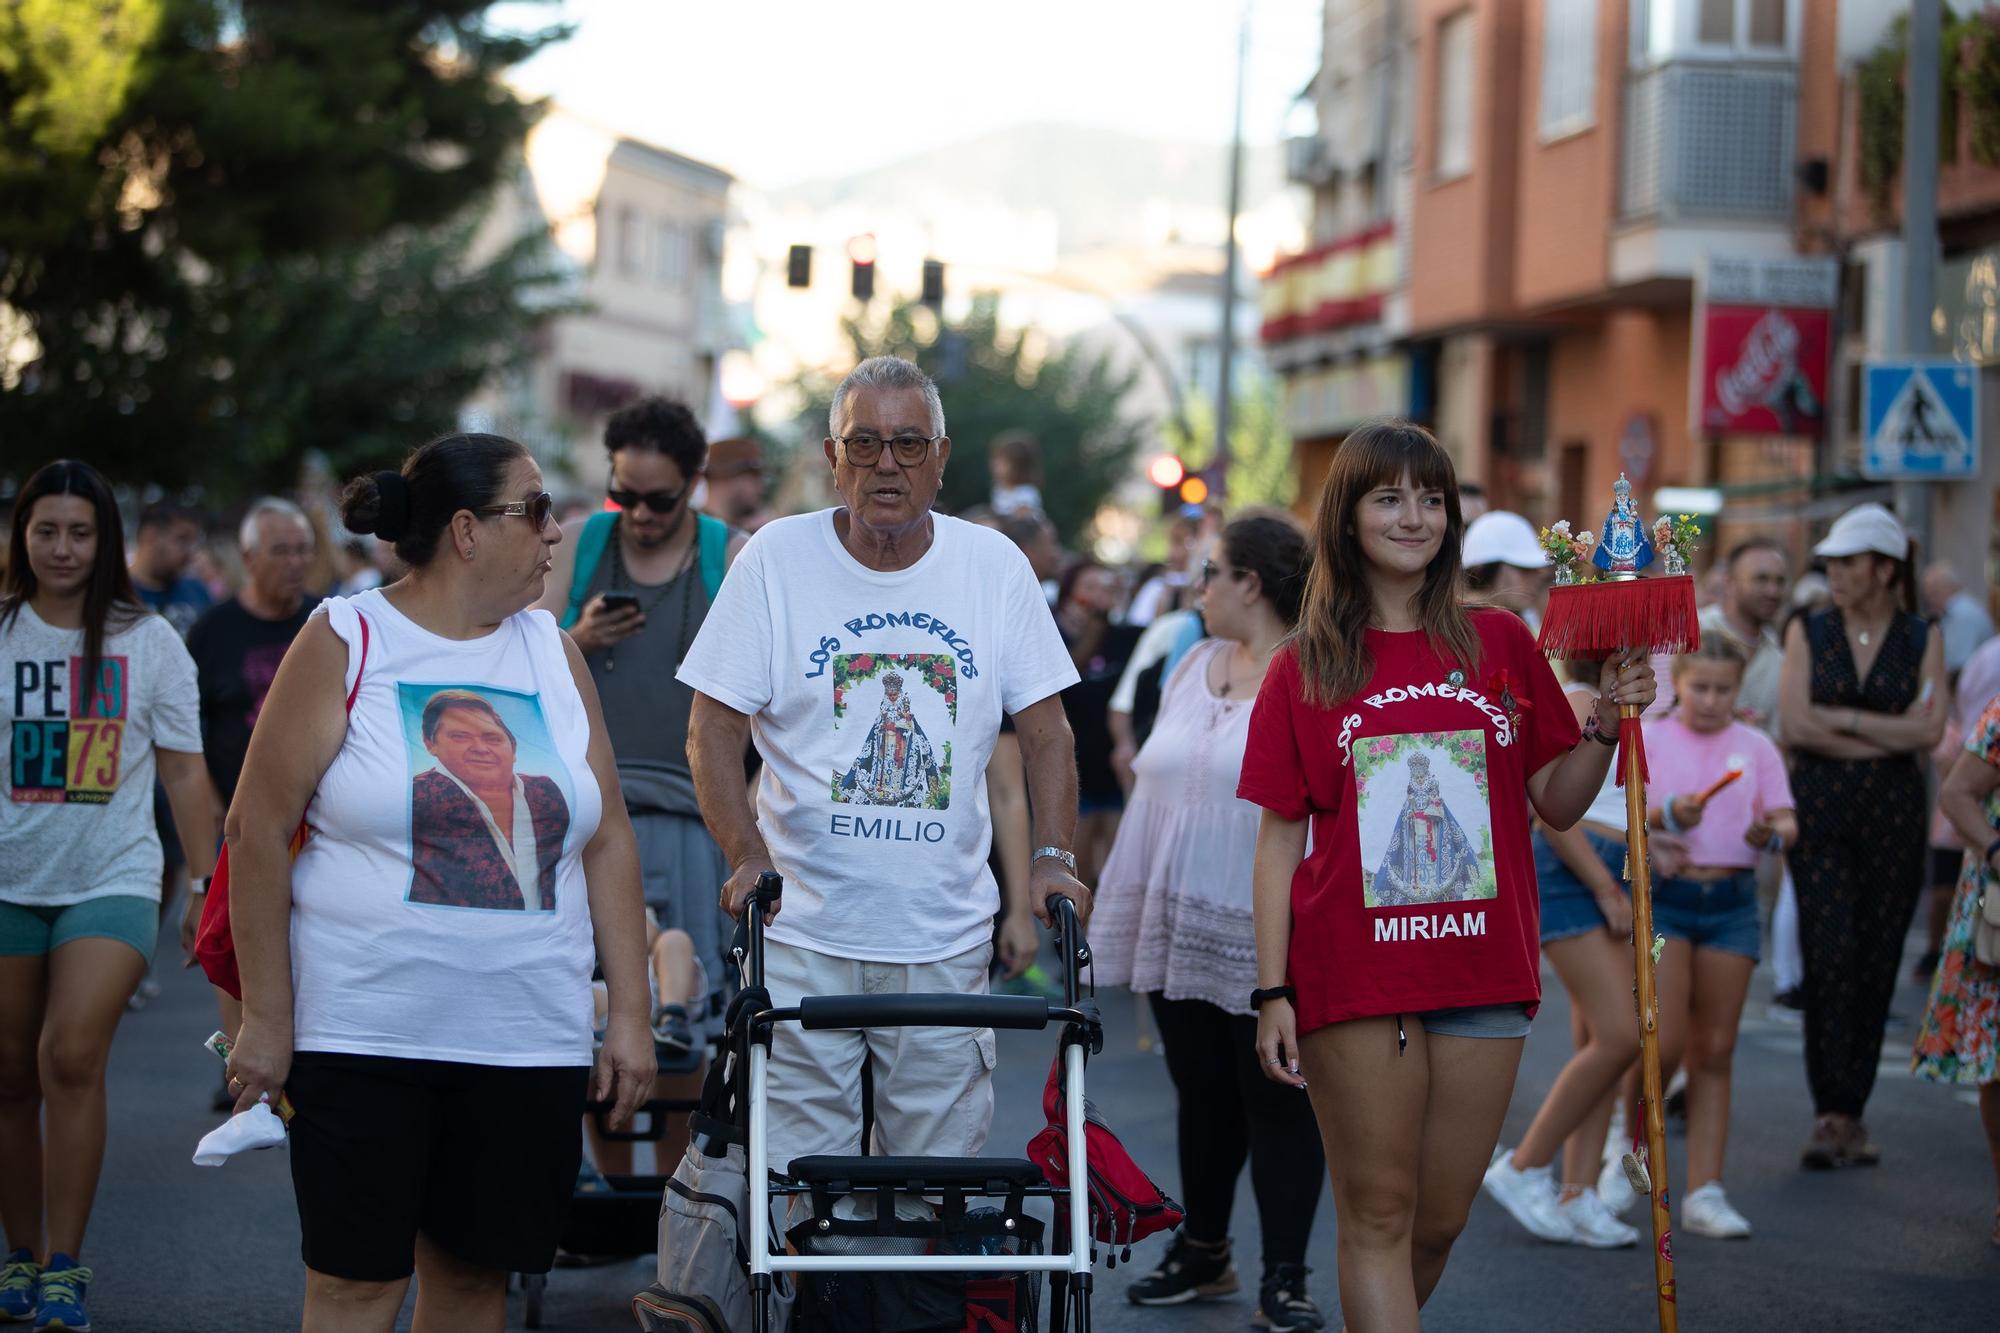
(995, 382)
(184, 187)
(1261, 467)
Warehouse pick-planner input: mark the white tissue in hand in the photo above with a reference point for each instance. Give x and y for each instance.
(255, 1128)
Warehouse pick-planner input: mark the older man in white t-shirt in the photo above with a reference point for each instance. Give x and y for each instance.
(871, 651)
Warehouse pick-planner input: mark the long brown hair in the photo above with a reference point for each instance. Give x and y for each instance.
(109, 602)
(1332, 638)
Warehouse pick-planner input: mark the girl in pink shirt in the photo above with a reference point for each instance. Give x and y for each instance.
(1708, 912)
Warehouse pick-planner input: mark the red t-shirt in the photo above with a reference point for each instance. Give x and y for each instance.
(1419, 890)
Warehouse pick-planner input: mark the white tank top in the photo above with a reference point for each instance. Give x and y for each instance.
(438, 909)
(1608, 806)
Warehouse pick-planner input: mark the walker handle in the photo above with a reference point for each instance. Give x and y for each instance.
(770, 888)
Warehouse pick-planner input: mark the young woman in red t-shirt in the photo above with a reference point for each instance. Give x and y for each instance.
(1409, 733)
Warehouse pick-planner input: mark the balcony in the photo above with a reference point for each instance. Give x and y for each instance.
(1708, 143)
(1307, 160)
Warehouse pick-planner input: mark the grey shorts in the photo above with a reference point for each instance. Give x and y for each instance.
(1478, 1020)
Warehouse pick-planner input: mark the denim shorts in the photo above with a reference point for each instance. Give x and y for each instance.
(1477, 1020)
(36, 931)
(1716, 914)
(1569, 908)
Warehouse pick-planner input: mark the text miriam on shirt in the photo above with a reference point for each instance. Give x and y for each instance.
(875, 700)
(1419, 890)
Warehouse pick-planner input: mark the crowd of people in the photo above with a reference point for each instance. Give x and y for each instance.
(1329, 804)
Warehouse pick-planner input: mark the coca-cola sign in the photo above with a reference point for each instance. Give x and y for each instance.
(1764, 369)
(1764, 329)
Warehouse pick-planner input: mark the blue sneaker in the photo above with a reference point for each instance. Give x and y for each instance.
(20, 1276)
(63, 1283)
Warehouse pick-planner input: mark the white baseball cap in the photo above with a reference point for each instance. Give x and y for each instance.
(1498, 537)
(1867, 527)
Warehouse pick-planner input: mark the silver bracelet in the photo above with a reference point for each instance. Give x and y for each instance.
(1056, 854)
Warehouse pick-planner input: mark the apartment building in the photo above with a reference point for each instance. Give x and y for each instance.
(638, 229)
(1586, 237)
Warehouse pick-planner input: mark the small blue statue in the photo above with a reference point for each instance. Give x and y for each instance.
(1624, 548)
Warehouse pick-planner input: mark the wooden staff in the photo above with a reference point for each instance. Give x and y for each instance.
(1650, 1095)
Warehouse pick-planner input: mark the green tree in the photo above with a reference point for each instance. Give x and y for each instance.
(183, 183)
(994, 383)
(1261, 466)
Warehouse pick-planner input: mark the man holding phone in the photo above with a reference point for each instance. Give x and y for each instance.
(633, 589)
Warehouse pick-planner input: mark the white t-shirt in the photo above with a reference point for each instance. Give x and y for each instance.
(78, 819)
(421, 927)
(875, 701)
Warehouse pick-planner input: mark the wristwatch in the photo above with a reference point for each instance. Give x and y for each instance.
(1057, 854)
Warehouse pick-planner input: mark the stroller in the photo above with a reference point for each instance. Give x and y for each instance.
(829, 1179)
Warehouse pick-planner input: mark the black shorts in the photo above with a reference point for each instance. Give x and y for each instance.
(481, 1159)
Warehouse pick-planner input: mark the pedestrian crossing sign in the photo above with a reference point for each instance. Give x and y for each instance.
(1920, 419)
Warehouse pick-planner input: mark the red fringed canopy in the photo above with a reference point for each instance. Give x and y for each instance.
(1595, 620)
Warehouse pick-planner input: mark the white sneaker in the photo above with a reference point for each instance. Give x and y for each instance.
(1613, 1189)
(1706, 1212)
(1618, 1136)
(1592, 1225)
(1530, 1196)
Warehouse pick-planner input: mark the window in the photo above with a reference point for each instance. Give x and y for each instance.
(629, 242)
(1664, 29)
(671, 260)
(1452, 155)
(1569, 66)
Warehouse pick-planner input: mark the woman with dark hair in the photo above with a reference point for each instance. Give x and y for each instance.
(1173, 922)
(1406, 1017)
(384, 1007)
(1861, 701)
(101, 695)
(1100, 647)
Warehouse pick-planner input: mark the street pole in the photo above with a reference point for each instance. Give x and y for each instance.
(1920, 233)
(1219, 469)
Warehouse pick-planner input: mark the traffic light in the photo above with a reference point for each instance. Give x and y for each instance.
(933, 295)
(799, 267)
(861, 253)
(1167, 472)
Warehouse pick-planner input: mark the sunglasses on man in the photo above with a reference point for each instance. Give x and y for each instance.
(536, 509)
(660, 502)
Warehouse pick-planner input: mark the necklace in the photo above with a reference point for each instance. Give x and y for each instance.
(1229, 669)
(619, 579)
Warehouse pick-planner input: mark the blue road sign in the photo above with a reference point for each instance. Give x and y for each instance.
(1920, 420)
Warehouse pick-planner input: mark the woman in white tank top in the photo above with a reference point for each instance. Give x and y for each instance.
(418, 979)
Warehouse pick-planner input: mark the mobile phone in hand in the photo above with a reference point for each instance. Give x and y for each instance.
(621, 601)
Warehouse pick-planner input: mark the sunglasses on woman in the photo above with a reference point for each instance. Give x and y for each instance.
(1210, 570)
(536, 509)
(660, 502)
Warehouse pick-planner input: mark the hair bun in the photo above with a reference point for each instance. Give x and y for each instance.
(392, 513)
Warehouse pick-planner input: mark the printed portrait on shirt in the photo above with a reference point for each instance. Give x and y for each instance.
(489, 802)
(1425, 825)
(907, 704)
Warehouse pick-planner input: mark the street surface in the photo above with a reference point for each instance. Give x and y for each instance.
(179, 1249)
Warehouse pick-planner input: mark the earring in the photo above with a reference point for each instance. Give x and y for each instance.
(467, 553)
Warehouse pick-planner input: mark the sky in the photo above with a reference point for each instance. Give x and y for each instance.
(779, 91)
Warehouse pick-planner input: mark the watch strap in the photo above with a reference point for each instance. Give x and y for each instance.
(1056, 854)
(1257, 997)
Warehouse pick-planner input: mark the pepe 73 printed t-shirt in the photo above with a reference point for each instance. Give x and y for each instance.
(875, 699)
(78, 819)
(1419, 890)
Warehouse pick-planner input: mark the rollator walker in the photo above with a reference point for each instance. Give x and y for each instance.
(1011, 1181)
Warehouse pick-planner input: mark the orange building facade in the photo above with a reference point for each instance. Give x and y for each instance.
(1565, 172)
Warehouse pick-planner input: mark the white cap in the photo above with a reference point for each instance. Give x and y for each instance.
(1498, 537)
(1867, 527)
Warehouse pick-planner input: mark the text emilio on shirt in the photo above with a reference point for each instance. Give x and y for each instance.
(875, 700)
(1419, 889)
(78, 819)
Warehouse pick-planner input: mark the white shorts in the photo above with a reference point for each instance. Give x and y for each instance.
(933, 1086)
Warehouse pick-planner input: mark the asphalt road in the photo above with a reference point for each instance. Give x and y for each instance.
(1904, 1246)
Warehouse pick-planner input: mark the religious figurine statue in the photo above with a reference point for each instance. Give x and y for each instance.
(1625, 548)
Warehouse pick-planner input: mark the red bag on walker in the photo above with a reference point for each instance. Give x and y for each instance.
(1125, 1205)
(214, 943)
